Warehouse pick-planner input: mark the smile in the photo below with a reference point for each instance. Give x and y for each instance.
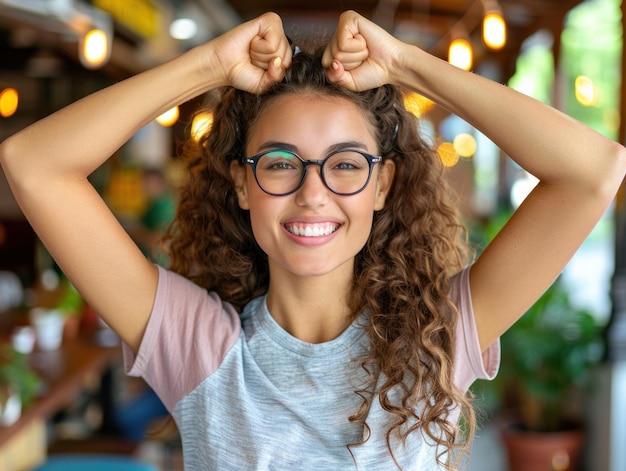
(312, 230)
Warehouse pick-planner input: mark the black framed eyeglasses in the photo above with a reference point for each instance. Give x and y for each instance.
(280, 172)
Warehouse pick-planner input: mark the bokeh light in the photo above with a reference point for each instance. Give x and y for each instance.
(95, 50)
(9, 99)
(465, 145)
(201, 124)
(169, 118)
(494, 31)
(417, 104)
(460, 54)
(183, 28)
(586, 91)
(448, 154)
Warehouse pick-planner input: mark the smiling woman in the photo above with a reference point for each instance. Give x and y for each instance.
(282, 199)
(319, 289)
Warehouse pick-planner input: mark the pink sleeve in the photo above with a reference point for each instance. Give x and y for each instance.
(188, 334)
(469, 363)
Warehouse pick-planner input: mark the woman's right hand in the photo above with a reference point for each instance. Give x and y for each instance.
(251, 56)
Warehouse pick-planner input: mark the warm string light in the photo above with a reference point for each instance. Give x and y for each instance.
(9, 99)
(461, 54)
(169, 118)
(494, 35)
(95, 49)
(494, 30)
(493, 27)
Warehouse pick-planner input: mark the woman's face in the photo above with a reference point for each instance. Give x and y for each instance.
(312, 126)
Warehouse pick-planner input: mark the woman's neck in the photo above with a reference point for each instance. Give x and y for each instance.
(313, 309)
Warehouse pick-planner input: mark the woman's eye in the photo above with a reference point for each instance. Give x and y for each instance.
(345, 166)
(279, 160)
(280, 165)
(346, 160)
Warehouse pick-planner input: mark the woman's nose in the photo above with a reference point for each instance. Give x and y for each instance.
(313, 192)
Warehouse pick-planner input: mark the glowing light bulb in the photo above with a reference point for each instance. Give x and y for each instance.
(494, 31)
(460, 54)
(169, 118)
(9, 99)
(95, 49)
(183, 28)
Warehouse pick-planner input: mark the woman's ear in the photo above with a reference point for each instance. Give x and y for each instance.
(239, 175)
(385, 180)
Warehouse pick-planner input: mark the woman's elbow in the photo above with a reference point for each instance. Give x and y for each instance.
(7, 158)
(15, 165)
(613, 177)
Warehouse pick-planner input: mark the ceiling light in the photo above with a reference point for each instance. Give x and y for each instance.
(183, 29)
(460, 53)
(494, 27)
(169, 118)
(9, 99)
(95, 49)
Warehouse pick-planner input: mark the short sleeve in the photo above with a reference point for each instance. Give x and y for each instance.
(188, 334)
(470, 363)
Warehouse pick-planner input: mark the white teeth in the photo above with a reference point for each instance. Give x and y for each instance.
(312, 230)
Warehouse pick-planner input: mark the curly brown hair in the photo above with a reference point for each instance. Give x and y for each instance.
(402, 275)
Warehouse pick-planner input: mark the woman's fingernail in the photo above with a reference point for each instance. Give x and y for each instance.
(277, 62)
(334, 65)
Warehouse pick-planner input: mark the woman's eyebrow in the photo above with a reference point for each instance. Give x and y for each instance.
(332, 148)
(347, 145)
(277, 145)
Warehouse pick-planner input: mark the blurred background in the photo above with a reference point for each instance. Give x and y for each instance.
(569, 350)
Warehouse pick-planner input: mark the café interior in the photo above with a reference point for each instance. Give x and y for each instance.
(78, 404)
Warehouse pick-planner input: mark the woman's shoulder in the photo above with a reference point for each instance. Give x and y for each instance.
(174, 287)
(180, 302)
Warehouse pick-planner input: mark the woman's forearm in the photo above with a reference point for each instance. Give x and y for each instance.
(77, 139)
(544, 141)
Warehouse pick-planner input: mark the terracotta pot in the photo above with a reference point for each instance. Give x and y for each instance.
(542, 451)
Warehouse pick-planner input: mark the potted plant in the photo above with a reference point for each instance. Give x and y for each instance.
(546, 357)
(18, 384)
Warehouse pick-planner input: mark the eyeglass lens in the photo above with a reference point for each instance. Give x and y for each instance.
(281, 172)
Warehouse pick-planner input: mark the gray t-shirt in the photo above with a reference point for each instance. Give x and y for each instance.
(245, 394)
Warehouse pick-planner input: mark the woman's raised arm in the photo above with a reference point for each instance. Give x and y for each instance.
(47, 165)
(579, 170)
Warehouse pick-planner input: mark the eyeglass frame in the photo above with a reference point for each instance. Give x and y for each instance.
(371, 160)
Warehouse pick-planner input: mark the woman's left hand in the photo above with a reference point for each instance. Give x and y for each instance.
(361, 55)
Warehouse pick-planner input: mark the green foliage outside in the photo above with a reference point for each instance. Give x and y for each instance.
(591, 46)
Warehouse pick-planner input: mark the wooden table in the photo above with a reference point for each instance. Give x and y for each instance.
(64, 373)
